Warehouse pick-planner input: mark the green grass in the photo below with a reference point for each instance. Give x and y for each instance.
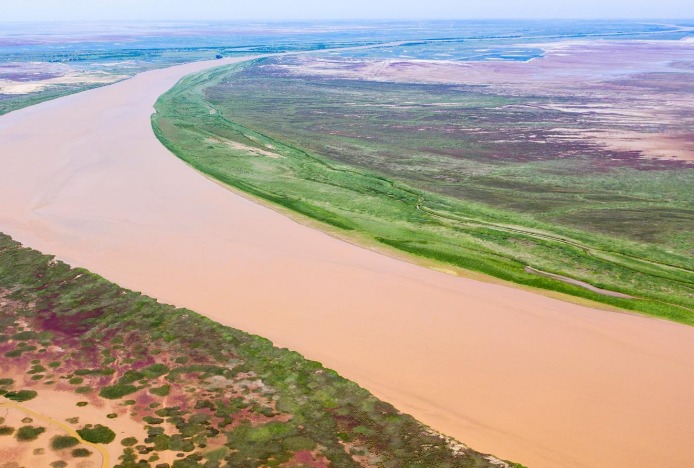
(498, 219)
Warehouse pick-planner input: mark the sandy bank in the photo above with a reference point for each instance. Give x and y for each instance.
(523, 376)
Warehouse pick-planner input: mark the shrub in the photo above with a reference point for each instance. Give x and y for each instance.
(24, 336)
(63, 442)
(29, 433)
(114, 392)
(155, 370)
(81, 453)
(21, 395)
(129, 441)
(97, 434)
(6, 430)
(162, 391)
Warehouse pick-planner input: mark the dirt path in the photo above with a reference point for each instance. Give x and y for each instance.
(105, 461)
(523, 376)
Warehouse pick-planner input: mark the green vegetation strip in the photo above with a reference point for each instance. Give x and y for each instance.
(199, 121)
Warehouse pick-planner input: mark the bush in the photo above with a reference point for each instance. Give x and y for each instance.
(129, 441)
(114, 392)
(24, 336)
(162, 391)
(63, 442)
(29, 433)
(6, 430)
(81, 453)
(21, 395)
(97, 434)
(155, 370)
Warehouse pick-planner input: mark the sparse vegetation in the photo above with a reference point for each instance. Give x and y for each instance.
(281, 404)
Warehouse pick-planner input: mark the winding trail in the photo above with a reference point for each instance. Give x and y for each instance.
(526, 377)
(103, 452)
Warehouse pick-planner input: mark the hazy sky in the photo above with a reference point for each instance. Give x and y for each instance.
(40, 10)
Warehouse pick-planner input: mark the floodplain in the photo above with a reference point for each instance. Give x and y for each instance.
(565, 165)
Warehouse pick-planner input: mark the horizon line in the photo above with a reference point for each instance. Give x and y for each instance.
(340, 20)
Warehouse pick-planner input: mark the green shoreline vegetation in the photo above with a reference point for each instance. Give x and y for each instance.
(230, 399)
(222, 123)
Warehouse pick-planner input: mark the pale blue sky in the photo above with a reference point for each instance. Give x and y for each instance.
(40, 10)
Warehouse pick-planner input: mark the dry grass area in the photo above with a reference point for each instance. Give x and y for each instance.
(619, 86)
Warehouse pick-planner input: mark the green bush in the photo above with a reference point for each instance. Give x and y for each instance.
(21, 395)
(129, 441)
(29, 433)
(6, 430)
(97, 434)
(63, 442)
(162, 391)
(114, 392)
(24, 336)
(81, 453)
(155, 370)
